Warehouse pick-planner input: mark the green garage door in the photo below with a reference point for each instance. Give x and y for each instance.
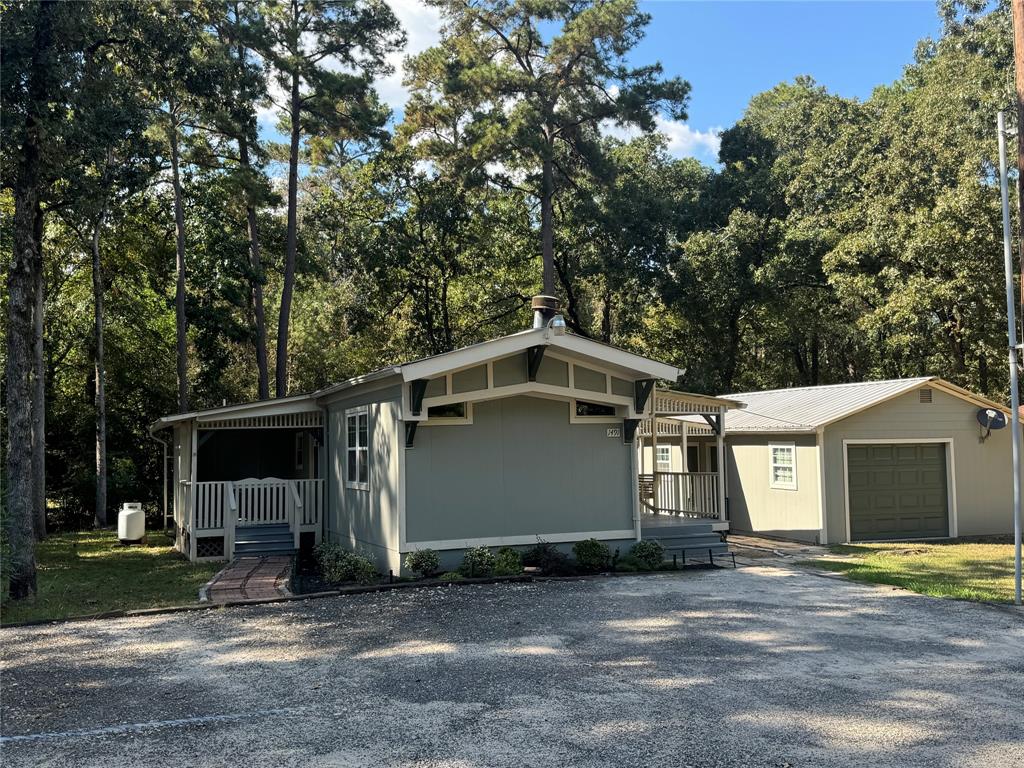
(897, 491)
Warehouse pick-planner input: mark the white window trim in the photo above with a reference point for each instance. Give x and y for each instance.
(349, 412)
(615, 418)
(772, 483)
(444, 420)
(658, 461)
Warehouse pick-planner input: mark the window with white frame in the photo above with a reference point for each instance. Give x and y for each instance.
(664, 458)
(300, 451)
(357, 448)
(782, 465)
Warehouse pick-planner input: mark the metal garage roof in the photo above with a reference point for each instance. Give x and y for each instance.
(804, 409)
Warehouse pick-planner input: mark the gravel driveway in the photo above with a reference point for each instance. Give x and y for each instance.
(756, 667)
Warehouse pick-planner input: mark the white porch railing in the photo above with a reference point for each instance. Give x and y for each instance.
(221, 506)
(688, 494)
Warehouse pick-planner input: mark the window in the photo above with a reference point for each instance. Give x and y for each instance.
(300, 452)
(664, 458)
(583, 408)
(450, 411)
(357, 444)
(782, 465)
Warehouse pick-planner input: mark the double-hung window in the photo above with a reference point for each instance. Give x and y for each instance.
(782, 466)
(357, 448)
(664, 458)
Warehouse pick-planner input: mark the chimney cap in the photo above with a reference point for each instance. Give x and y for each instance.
(545, 303)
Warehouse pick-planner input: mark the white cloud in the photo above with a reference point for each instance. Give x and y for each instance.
(422, 25)
(682, 140)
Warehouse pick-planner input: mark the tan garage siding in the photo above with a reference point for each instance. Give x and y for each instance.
(980, 479)
(757, 507)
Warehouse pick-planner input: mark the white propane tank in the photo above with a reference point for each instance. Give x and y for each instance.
(131, 522)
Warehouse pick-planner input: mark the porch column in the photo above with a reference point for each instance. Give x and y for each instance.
(640, 443)
(721, 463)
(654, 458)
(682, 443)
(192, 492)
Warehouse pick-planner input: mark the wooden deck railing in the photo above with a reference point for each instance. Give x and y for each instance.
(686, 494)
(222, 505)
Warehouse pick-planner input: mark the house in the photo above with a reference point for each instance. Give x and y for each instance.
(526, 437)
(878, 460)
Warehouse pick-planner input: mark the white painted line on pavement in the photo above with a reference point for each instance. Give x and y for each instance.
(152, 724)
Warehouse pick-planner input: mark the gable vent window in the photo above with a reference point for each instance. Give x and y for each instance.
(925, 395)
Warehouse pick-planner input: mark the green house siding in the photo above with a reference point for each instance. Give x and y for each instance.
(521, 469)
(366, 520)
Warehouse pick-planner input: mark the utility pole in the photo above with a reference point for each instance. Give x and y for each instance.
(1018, 68)
(1011, 328)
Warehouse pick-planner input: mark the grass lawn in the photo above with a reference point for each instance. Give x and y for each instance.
(89, 572)
(969, 571)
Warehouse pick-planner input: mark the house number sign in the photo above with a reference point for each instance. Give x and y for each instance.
(614, 432)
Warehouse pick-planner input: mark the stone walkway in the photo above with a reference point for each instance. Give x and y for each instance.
(251, 578)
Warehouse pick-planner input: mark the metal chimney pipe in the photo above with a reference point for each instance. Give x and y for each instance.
(544, 308)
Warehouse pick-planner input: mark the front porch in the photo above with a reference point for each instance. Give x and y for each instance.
(248, 485)
(681, 480)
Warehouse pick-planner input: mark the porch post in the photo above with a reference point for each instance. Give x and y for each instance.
(654, 458)
(640, 443)
(192, 491)
(721, 463)
(682, 443)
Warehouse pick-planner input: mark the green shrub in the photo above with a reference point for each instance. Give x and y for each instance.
(627, 565)
(508, 562)
(477, 562)
(549, 558)
(451, 576)
(648, 554)
(337, 565)
(425, 562)
(591, 554)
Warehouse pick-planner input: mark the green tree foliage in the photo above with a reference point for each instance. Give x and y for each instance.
(835, 240)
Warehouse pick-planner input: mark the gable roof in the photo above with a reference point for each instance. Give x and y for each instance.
(806, 409)
(579, 347)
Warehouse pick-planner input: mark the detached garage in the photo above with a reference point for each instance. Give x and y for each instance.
(871, 461)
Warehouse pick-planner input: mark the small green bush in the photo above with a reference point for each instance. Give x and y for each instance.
(425, 562)
(477, 562)
(649, 554)
(627, 565)
(451, 576)
(337, 565)
(591, 554)
(549, 558)
(508, 562)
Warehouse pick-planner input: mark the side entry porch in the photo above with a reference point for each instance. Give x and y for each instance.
(250, 485)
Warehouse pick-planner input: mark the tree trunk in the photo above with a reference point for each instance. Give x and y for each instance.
(20, 322)
(39, 389)
(100, 519)
(256, 282)
(291, 245)
(547, 225)
(179, 290)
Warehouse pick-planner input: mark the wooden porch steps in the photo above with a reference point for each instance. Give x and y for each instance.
(264, 540)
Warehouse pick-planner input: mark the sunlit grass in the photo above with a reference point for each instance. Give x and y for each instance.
(89, 572)
(968, 571)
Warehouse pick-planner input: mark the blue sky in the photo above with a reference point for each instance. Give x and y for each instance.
(730, 50)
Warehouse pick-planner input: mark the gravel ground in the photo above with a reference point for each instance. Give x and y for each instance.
(761, 666)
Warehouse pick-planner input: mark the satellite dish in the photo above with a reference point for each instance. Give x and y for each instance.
(990, 418)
